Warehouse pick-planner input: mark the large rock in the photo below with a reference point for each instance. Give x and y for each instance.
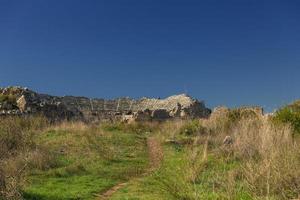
(22, 103)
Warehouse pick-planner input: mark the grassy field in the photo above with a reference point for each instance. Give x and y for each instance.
(88, 161)
(188, 160)
(263, 164)
(169, 182)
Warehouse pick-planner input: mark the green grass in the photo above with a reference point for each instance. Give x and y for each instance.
(74, 187)
(83, 171)
(91, 160)
(208, 186)
(147, 188)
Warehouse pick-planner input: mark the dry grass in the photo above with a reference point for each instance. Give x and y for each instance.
(271, 158)
(70, 126)
(155, 152)
(16, 145)
(267, 154)
(93, 138)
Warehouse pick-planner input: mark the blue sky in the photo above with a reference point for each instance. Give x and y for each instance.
(233, 52)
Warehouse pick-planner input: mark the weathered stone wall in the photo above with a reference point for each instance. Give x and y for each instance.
(180, 106)
(27, 102)
(70, 107)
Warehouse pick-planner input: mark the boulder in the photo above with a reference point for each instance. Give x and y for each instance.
(22, 103)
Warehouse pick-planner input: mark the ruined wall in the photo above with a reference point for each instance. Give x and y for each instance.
(70, 107)
(26, 102)
(179, 106)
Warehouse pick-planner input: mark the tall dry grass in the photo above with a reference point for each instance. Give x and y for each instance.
(16, 144)
(270, 158)
(70, 126)
(267, 154)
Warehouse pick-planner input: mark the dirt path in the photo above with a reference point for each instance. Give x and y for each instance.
(155, 153)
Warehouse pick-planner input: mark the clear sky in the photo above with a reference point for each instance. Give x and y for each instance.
(226, 52)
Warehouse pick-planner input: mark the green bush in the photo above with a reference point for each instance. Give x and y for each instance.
(229, 121)
(192, 128)
(289, 114)
(8, 98)
(236, 115)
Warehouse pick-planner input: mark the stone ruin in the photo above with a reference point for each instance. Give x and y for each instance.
(22, 101)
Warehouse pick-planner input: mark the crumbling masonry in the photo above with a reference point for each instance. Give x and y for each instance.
(22, 101)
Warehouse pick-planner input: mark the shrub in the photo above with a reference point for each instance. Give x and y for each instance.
(223, 123)
(289, 114)
(193, 127)
(16, 134)
(8, 98)
(237, 114)
(16, 143)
